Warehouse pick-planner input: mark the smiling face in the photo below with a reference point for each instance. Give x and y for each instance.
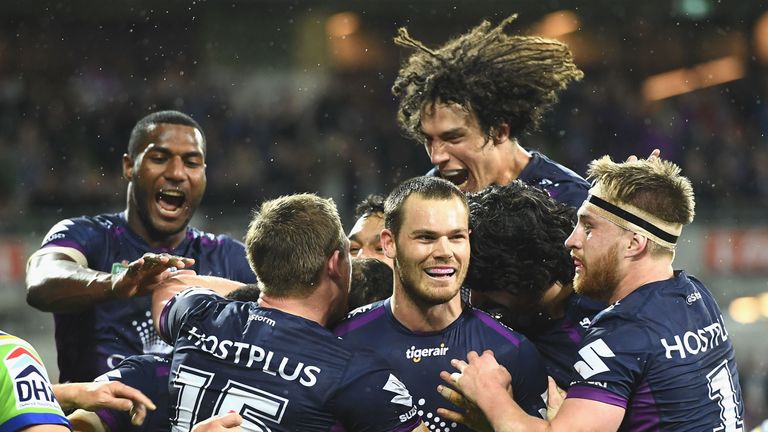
(167, 182)
(365, 238)
(431, 250)
(460, 150)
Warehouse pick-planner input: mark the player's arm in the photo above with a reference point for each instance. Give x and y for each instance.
(486, 383)
(105, 394)
(58, 282)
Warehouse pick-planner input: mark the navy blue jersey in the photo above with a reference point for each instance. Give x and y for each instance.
(664, 355)
(148, 374)
(418, 357)
(281, 372)
(561, 183)
(94, 341)
(558, 340)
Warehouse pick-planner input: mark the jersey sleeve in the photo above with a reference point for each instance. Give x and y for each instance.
(609, 363)
(529, 379)
(75, 238)
(179, 307)
(26, 396)
(149, 375)
(372, 399)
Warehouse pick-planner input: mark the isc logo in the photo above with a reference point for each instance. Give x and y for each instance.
(30, 380)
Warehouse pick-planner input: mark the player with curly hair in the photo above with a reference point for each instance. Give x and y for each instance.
(469, 101)
(522, 273)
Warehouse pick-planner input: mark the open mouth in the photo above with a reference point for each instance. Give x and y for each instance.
(170, 200)
(440, 272)
(457, 176)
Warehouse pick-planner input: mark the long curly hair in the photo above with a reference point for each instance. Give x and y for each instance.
(518, 241)
(498, 77)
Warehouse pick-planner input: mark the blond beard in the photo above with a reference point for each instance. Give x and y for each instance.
(600, 279)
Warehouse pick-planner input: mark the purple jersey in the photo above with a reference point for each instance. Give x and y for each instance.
(561, 183)
(663, 354)
(279, 371)
(418, 357)
(148, 374)
(558, 340)
(94, 341)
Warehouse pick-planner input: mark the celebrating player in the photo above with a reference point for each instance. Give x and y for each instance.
(101, 313)
(522, 273)
(275, 363)
(469, 100)
(659, 357)
(425, 323)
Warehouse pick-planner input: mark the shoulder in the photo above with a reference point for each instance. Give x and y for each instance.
(361, 317)
(481, 321)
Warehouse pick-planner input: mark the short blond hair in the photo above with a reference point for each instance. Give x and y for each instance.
(654, 186)
(289, 241)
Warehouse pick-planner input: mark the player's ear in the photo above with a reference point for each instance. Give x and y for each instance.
(388, 243)
(127, 167)
(637, 244)
(335, 264)
(500, 133)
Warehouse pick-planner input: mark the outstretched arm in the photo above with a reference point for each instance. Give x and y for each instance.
(57, 283)
(107, 394)
(482, 381)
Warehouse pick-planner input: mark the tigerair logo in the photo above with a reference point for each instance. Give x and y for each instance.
(416, 354)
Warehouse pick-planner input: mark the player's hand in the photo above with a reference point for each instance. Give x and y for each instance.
(654, 155)
(477, 375)
(105, 394)
(142, 274)
(555, 398)
(229, 422)
(472, 417)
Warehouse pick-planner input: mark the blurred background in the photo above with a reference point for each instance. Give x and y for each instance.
(295, 96)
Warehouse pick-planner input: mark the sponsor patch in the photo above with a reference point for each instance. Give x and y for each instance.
(30, 380)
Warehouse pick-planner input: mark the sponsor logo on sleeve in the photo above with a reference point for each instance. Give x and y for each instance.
(58, 231)
(692, 297)
(30, 380)
(591, 362)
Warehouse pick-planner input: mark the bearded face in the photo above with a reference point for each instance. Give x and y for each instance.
(598, 276)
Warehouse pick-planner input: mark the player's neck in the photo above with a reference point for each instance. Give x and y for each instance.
(514, 160)
(641, 273)
(423, 317)
(319, 306)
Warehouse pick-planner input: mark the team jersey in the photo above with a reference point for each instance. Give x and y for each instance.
(281, 372)
(26, 397)
(664, 355)
(418, 357)
(558, 340)
(148, 374)
(94, 341)
(561, 183)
